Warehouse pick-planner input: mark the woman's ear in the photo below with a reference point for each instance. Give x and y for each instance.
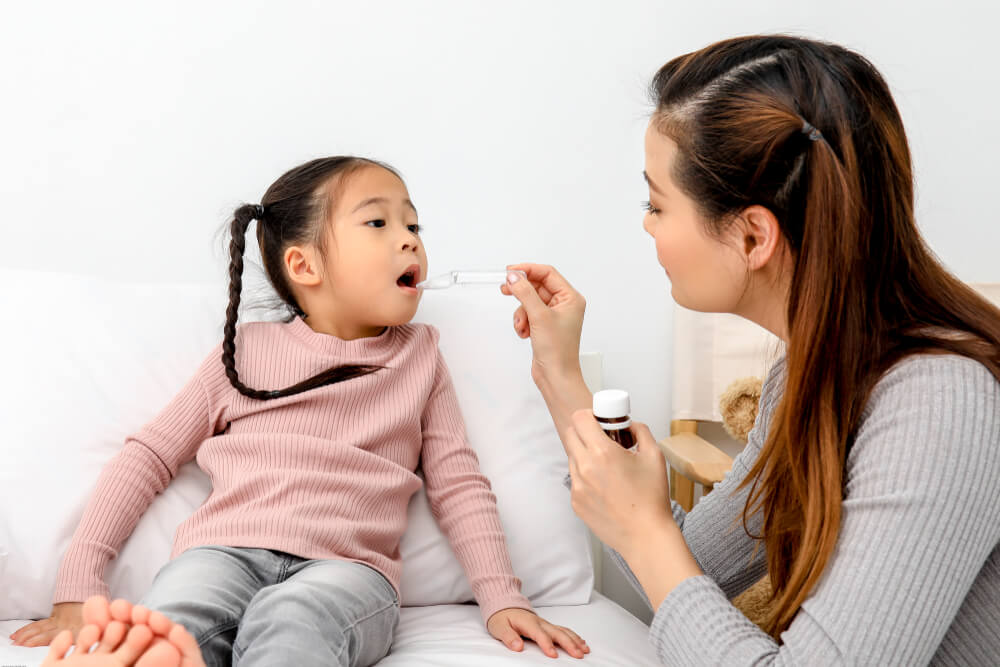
(302, 265)
(761, 236)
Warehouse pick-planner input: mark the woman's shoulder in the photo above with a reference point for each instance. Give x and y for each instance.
(940, 409)
(944, 378)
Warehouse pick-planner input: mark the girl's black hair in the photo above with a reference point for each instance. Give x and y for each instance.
(293, 210)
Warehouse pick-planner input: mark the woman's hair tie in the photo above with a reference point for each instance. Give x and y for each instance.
(808, 128)
(258, 212)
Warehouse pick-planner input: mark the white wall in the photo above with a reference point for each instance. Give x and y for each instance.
(130, 130)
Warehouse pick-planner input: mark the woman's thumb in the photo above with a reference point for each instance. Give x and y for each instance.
(646, 441)
(524, 291)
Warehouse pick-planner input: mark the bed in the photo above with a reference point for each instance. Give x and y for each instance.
(77, 384)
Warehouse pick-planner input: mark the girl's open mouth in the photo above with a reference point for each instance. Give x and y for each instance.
(408, 281)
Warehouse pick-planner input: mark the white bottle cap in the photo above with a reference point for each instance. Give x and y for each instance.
(611, 404)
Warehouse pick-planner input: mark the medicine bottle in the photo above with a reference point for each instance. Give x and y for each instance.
(611, 409)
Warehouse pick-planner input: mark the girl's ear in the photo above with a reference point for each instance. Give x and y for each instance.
(302, 265)
(761, 236)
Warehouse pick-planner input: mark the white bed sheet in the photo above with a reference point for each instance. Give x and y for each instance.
(454, 636)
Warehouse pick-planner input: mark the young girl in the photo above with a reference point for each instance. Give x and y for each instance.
(311, 431)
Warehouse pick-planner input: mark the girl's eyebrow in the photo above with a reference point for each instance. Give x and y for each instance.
(651, 184)
(381, 200)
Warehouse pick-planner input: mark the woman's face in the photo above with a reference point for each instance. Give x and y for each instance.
(706, 273)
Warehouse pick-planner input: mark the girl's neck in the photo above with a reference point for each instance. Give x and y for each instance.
(342, 330)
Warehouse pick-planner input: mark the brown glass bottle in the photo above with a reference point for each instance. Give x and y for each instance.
(611, 409)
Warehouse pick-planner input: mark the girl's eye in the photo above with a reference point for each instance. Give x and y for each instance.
(415, 229)
(376, 223)
(648, 207)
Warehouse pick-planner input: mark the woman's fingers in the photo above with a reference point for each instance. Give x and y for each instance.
(647, 445)
(546, 276)
(525, 292)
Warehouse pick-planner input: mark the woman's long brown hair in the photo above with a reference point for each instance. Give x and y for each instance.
(810, 131)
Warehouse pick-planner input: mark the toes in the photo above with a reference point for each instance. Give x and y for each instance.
(121, 610)
(113, 636)
(87, 637)
(95, 611)
(136, 641)
(160, 654)
(140, 615)
(58, 648)
(159, 624)
(184, 640)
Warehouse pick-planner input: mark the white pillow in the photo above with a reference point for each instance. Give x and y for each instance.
(88, 361)
(511, 431)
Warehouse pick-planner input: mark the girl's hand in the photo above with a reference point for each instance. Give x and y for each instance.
(509, 625)
(65, 616)
(551, 313)
(618, 493)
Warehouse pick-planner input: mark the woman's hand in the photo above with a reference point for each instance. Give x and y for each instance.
(65, 616)
(509, 625)
(551, 313)
(618, 493)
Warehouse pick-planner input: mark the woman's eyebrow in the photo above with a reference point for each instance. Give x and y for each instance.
(651, 184)
(381, 200)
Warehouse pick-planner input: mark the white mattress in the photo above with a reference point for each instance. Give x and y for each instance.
(454, 636)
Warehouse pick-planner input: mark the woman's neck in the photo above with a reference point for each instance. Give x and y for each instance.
(766, 300)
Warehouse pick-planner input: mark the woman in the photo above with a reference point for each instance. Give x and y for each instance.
(781, 190)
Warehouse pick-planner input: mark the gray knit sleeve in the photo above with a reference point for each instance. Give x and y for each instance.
(916, 556)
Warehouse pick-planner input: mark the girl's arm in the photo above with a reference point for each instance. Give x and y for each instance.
(129, 482)
(465, 508)
(462, 501)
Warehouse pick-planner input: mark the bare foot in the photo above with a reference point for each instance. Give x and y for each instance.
(166, 644)
(136, 642)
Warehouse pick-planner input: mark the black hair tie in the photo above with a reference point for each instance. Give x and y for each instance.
(258, 212)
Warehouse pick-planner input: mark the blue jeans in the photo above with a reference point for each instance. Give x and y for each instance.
(260, 607)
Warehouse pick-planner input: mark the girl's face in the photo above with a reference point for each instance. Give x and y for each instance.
(374, 253)
(706, 274)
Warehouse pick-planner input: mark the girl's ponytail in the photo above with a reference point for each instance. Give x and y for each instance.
(242, 218)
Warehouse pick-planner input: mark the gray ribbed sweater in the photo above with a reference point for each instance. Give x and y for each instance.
(915, 576)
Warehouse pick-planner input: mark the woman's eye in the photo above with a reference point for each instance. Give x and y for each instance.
(648, 207)
(376, 223)
(415, 229)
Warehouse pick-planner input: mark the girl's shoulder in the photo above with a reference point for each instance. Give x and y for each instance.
(419, 333)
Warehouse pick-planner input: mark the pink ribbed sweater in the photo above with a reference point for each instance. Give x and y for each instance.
(327, 473)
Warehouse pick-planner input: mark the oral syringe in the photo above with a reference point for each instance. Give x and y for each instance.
(472, 277)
